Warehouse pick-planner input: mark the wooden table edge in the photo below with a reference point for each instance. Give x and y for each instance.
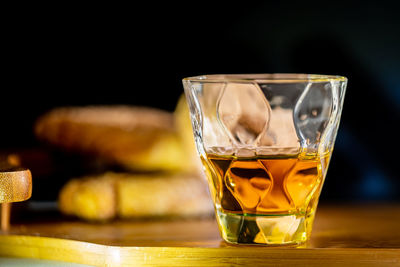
(48, 248)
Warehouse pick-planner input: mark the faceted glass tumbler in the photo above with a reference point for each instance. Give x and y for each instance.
(265, 141)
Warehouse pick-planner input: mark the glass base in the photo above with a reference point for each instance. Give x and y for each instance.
(263, 229)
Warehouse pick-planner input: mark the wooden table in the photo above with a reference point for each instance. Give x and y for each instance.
(345, 235)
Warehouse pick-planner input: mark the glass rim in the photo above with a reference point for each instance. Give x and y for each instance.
(266, 78)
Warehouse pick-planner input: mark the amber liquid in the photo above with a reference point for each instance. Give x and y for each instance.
(278, 186)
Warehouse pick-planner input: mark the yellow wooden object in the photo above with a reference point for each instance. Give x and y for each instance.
(363, 235)
(101, 255)
(15, 185)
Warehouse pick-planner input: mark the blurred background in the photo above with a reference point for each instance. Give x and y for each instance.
(74, 56)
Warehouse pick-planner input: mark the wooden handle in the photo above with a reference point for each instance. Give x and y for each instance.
(5, 216)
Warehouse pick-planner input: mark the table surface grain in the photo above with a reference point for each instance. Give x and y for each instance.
(344, 234)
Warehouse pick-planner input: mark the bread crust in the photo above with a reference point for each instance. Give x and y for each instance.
(138, 138)
(125, 195)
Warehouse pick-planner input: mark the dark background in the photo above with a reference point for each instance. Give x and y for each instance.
(100, 54)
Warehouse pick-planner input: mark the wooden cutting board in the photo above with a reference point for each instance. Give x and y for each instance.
(345, 235)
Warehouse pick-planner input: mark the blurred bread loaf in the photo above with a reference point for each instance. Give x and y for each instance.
(133, 195)
(138, 138)
(155, 148)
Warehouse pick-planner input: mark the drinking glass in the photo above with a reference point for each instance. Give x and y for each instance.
(265, 141)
